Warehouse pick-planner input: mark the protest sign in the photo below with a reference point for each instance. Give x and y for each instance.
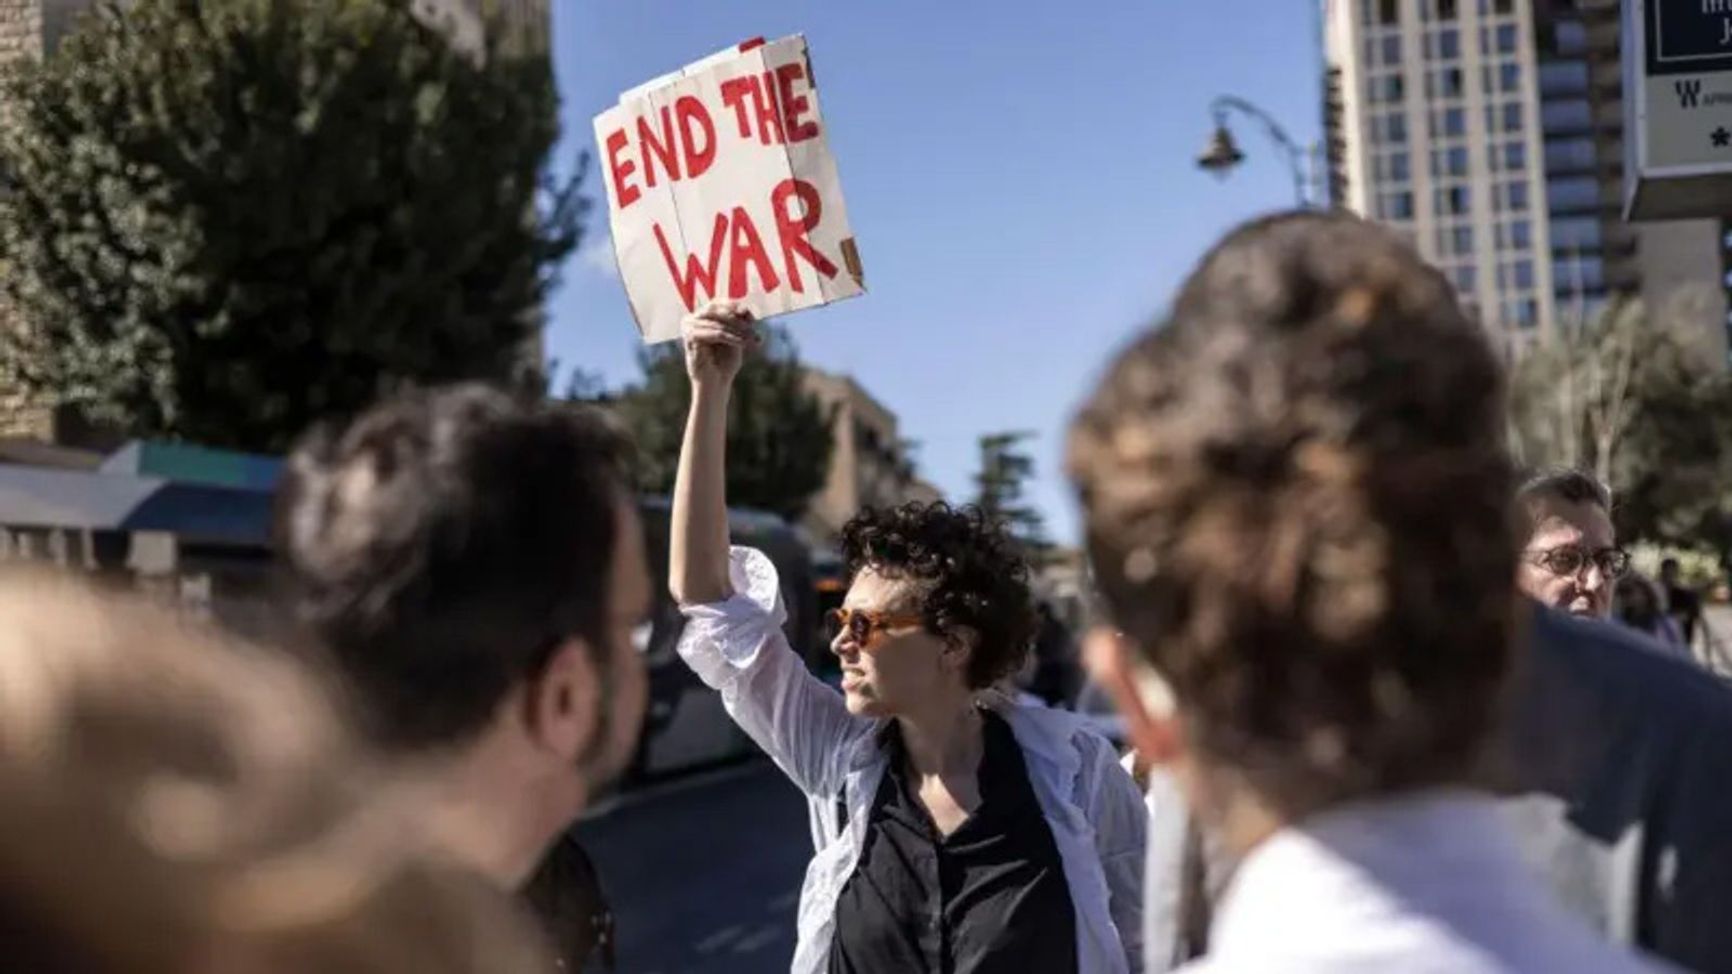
(720, 185)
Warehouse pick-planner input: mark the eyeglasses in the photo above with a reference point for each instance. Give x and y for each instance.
(862, 625)
(1569, 560)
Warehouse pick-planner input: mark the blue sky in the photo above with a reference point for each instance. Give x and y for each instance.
(1019, 175)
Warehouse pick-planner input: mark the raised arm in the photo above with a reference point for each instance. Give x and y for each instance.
(716, 340)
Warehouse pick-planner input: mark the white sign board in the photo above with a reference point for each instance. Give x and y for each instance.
(720, 185)
(1678, 108)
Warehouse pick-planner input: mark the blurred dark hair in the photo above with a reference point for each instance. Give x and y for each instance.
(444, 543)
(1298, 506)
(1564, 484)
(973, 576)
(566, 896)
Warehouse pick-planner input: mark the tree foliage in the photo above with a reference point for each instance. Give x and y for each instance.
(1638, 399)
(1005, 469)
(780, 435)
(224, 220)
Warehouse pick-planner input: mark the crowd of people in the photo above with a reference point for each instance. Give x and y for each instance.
(1383, 718)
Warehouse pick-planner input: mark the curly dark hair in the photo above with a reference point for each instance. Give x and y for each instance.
(975, 578)
(1298, 505)
(442, 544)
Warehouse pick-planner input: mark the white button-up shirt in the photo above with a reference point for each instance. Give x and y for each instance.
(1096, 816)
(1425, 884)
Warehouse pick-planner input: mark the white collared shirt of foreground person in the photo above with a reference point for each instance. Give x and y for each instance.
(1095, 814)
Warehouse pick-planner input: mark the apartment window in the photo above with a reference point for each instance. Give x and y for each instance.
(1392, 49)
(1442, 9)
(1567, 155)
(1520, 234)
(1395, 128)
(1575, 233)
(1387, 88)
(1585, 272)
(1513, 196)
(1572, 115)
(1515, 156)
(1449, 123)
(1465, 278)
(1398, 167)
(1445, 44)
(1395, 206)
(1563, 78)
(1571, 37)
(1506, 38)
(1573, 193)
(1461, 240)
(1448, 83)
(1451, 200)
(1509, 76)
(1517, 275)
(1449, 162)
(1380, 12)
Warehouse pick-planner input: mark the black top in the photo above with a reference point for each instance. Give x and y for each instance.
(991, 897)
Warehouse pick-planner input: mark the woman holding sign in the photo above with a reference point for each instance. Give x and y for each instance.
(956, 829)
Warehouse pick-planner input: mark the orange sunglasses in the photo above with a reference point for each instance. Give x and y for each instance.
(862, 625)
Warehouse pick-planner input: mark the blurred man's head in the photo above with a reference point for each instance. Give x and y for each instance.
(1297, 508)
(180, 803)
(474, 565)
(1570, 559)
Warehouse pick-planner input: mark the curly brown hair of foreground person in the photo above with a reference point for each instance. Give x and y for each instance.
(972, 577)
(1298, 506)
(181, 803)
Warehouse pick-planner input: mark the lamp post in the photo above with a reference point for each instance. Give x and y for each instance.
(1222, 153)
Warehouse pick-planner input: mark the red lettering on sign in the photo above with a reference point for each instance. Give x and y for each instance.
(734, 92)
(690, 110)
(696, 273)
(792, 230)
(618, 169)
(769, 110)
(663, 148)
(794, 105)
(747, 246)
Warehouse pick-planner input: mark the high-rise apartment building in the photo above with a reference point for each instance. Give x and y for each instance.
(1490, 132)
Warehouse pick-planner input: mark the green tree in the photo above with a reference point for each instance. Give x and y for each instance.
(779, 434)
(224, 220)
(1633, 397)
(1005, 468)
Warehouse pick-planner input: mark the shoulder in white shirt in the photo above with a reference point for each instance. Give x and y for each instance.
(1422, 884)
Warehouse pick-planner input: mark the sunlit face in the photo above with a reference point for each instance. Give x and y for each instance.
(1561, 524)
(901, 666)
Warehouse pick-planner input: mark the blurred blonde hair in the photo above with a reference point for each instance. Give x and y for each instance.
(177, 800)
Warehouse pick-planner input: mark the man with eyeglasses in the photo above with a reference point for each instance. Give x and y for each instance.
(1571, 561)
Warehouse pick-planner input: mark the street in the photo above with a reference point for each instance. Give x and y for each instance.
(704, 875)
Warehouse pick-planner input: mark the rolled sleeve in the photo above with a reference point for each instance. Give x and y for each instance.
(737, 646)
(722, 639)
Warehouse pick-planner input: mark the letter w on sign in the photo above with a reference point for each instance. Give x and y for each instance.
(720, 184)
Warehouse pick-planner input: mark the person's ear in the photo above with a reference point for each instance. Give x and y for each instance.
(562, 702)
(959, 646)
(1140, 695)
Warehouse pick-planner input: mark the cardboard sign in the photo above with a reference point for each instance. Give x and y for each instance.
(720, 185)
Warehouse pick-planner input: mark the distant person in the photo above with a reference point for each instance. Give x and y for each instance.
(956, 829)
(1297, 509)
(1682, 602)
(1054, 669)
(474, 565)
(1570, 558)
(1640, 606)
(180, 803)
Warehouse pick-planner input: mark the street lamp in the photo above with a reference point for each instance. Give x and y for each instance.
(1222, 153)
